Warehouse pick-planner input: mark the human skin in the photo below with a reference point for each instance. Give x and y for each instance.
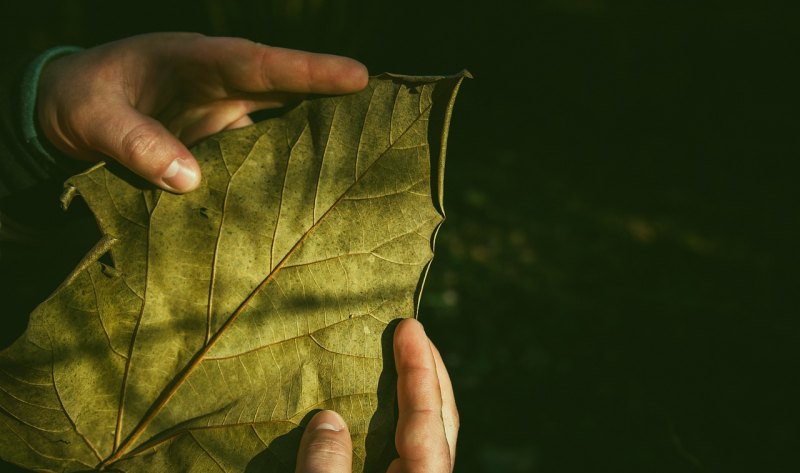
(143, 100)
(427, 426)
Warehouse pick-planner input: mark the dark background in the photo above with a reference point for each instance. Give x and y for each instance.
(615, 287)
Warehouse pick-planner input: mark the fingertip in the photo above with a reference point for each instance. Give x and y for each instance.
(181, 175)
(408, 331)
(327, 420)
(339, 74)
(411, 324)
(326, 446)
(359, 76)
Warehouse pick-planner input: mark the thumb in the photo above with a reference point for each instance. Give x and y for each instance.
(144, 146)
(326, 446)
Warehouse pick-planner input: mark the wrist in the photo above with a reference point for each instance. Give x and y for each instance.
(29, 94)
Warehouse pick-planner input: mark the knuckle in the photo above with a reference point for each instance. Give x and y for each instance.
(309, 73)
(328, 450)
(139, 142)
(265, 70)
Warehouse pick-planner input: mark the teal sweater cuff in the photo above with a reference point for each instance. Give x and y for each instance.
(30, 85)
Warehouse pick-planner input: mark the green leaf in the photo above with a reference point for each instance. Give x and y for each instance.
(227, 316)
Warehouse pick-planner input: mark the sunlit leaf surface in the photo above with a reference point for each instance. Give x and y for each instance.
(224, 317)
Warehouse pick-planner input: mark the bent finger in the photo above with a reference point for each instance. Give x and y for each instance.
(326, 446)
(144, 146)
(240, 123)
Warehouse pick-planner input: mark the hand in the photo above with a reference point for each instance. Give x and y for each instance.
(427, 427)
(141, 100)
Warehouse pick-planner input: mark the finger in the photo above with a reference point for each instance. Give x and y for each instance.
(420, 440)
(289, 70)
(253, 68)
(145, 147)
(326, 446)
(450, 416)
(201, 122)
(240, 123)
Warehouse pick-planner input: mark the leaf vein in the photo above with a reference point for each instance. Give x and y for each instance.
(100, 317)
(72, 421)
(33, 448)
(206, 451)
(295, 338)
(169, 390)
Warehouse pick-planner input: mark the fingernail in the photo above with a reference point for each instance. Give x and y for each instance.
(327, 426)
(180, 176)
(329, 420)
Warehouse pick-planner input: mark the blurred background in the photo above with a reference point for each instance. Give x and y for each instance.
(615, 288)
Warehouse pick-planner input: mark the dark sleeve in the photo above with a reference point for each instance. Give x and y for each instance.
(39, 242)
(19, 168)
(25, 159)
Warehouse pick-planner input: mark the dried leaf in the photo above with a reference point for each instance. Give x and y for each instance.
(227, 316)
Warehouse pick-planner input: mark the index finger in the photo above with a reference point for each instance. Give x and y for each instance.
(256, 68)
(289, 70)
(420, 440)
